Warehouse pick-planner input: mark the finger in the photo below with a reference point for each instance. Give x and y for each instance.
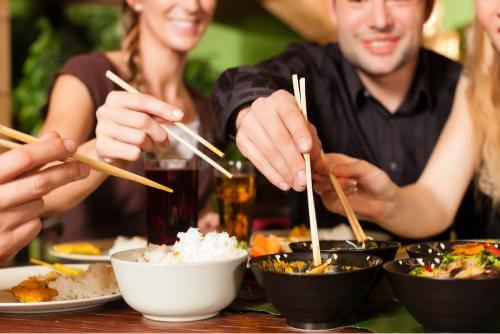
(13, 217)
(284, 151)
(292, 117)
(354, 170)
(32, 187)
(126, 135)
(317, 146)
(249, 150)
(132, 119)
(21, 237)
(49, 135)
(267, 146)
(20, 160)
(109, 148)
(144, 103)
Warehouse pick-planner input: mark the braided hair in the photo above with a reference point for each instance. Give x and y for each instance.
(130, 44)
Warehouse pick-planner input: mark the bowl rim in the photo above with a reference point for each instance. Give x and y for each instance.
(114, 259)
(394, 244)
(386, 268)
(251, 264)
(413, 247)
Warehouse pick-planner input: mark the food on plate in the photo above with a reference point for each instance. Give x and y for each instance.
(477, 262)
(97, 280)
(123, 243)
(475, 248)
(192, 247)
(82, 248)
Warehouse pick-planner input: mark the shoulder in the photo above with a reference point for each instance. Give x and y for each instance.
(90, 69)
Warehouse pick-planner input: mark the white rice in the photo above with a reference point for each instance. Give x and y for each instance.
(193, 247)
(98, 280)
(123, 243)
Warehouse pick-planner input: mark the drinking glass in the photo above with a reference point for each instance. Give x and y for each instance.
(170, 213)
(235, 198)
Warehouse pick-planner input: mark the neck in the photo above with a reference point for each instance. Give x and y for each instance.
(163, 69)
(390, 89)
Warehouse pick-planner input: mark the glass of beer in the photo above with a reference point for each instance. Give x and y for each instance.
(235, 198)
(170, 213)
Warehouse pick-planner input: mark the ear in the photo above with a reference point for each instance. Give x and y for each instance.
(332, 11)
(429, 6)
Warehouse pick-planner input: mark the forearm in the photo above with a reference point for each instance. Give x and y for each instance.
(415, 212)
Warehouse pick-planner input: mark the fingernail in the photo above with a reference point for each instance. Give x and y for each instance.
(304, 145)
(84, 170)
(69, 145)
(352, 183)
(178, 114)
(284, 186)
(300, 179)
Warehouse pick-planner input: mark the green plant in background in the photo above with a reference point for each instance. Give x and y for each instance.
(76, 29)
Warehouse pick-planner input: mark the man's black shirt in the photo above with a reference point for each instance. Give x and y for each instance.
(351, 121)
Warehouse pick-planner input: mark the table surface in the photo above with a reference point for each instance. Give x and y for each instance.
(118, 317)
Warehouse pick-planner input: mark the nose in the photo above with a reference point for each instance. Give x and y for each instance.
(381, 18)
(191, 5)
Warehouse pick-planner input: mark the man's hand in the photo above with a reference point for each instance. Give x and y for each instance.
(273, 134)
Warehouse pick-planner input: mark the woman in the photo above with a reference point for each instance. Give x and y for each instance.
(469, 146)
(158, 37)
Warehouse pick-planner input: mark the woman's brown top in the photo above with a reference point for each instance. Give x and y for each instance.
(118, 207)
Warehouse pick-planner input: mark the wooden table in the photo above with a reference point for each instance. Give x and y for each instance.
(118, 317)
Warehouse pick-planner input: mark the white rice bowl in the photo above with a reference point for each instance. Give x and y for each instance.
(197, 279)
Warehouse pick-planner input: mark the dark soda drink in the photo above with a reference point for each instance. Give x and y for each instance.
(170, 213)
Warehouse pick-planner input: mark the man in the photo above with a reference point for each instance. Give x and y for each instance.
(377, 95)
(22, 186)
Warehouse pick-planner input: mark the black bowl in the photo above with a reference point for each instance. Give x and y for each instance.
(316, 301)
(451, 305)
(386, 250)
(437, 248)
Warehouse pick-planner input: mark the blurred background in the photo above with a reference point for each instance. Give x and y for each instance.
(38, 36)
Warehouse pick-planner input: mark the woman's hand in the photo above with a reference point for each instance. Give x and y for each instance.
(369, 189)
(127, 125)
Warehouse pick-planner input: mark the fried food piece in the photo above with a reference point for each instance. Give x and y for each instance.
(83, 248)
(35, 289)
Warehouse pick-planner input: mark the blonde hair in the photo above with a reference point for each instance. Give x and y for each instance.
(130, 44)
(483, 71)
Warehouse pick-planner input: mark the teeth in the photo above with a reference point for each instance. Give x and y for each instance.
(183, 24)
(380, 43)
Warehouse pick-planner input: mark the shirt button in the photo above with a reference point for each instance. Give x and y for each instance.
(391, 121)
(366, 93)
(393, 166)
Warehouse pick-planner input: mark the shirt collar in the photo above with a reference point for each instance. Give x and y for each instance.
(419, 96)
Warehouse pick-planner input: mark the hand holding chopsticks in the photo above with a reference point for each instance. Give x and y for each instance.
(94, 164)
(128, 88)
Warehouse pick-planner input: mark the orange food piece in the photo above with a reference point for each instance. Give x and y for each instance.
(263, 245)
(472, 248)
(299, 231)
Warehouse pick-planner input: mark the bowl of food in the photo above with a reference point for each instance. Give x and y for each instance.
(386, 250)
(315, 297)
(193, 280)
(453, 293)
(459, 247)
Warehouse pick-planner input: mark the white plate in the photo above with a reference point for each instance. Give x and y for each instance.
(103, 244)
(10, 277)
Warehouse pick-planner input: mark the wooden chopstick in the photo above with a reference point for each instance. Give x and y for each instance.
(92, 163)
(359, 234)
(300, 96)
(124, 85)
